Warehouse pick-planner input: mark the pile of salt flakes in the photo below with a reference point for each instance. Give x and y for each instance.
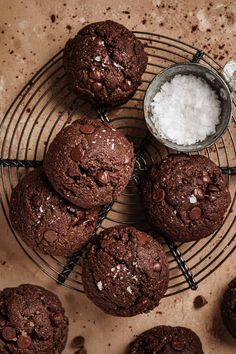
(186, 110)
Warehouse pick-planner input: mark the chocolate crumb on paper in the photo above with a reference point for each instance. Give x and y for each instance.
(78, 342)
(199, 301)
(53, 18)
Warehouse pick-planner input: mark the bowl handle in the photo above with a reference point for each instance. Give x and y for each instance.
(228, 72)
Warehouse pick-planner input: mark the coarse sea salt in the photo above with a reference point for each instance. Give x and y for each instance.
(117, 65)
(100, 285)
(192, 199)
(186, 110)
(129, 289)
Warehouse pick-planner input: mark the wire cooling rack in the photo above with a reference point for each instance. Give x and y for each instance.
(46, 105)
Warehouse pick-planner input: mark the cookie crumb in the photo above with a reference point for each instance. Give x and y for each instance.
(199, 301)
(194, 28)
(53, 18)
(78, 342)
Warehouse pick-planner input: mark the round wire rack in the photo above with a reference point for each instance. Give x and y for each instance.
(46, 105)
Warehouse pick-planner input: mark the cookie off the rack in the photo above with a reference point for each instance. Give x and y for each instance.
(104, 63)
(125, 272)
(186, 197)
(228, 308)
(32, 320)
(166, 340)
(45, 221)
(89, 163)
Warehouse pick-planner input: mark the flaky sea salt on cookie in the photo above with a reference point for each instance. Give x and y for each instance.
(125, 272)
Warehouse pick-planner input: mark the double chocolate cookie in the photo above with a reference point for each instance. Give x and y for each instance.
(186, 197)
(125, 272)
(45, 221)
(104, 63)
(89, 163)
(32, 320)
(166, 340)
(228, 308)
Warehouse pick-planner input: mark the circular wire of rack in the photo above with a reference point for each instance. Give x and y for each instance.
(46, 105)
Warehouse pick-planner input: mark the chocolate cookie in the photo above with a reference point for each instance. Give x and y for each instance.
(125, 272)
(45, 221)
(32, 320)
(186, 197)
(166, 340)
(89, 163)
(104, 63)
(228, 308)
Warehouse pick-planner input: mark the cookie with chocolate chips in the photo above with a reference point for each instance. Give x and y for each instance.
(89, 163)
(186, 197)
(228, 308)
(125, 272)
(104, 63)
(166, 340)
(32, 320)
(45, 221)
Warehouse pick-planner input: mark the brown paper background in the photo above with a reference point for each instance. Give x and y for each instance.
(28, 38)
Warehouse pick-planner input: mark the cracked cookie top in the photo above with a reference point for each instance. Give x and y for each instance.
(166, 340)
(125, 271)
(89, 163)
(186, 197)
(32, 320)
(104, 63)
(46, 221)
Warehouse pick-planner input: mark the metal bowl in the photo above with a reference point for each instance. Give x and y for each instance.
(218, 84)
